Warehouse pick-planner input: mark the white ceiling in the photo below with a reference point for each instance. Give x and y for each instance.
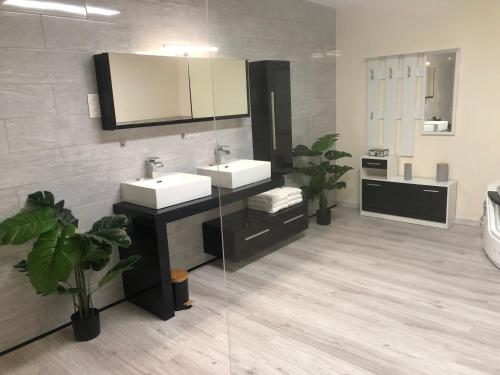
(337, 3)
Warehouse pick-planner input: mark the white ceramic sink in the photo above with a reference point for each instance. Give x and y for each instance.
(237, 173)
(168, 190)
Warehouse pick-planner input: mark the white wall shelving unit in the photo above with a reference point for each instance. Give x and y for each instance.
(393, 86)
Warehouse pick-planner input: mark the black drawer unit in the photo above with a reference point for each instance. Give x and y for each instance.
(247, 232)
(430, 202)
(381, 197)
(374, 163)
(423, 202)
(291, 221)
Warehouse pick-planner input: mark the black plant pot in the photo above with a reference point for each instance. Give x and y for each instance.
(86, 329)
(324, 217)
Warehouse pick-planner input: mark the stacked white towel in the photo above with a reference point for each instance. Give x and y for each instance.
(294, 195)
(275, 200)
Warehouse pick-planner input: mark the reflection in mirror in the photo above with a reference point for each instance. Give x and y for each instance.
(440, 93)
(165, 80)
(200, 76)
(229, 87)
(218, 85)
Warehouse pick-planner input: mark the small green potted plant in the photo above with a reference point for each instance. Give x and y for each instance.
(59, 250)
(323, 172)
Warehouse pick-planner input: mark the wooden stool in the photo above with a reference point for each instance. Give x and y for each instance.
(180, 287)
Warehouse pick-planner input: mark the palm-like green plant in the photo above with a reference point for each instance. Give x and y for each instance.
(60, 250)
(324, 174)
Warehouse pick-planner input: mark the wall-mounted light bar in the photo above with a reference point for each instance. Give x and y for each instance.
(180, 50)
(102, 11)
(332, 53)
(61, 7)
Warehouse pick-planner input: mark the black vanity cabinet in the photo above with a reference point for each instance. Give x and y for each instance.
(271, 111)
(148, 284)
(248, 231)
(422, 202)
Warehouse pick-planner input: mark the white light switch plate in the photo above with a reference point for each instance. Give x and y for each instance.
(94, 106)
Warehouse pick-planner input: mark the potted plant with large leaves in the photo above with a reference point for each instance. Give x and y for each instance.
(323, 172)
(59, 250)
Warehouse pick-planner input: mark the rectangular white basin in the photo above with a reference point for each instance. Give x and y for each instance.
(237, 173)
(168, 190)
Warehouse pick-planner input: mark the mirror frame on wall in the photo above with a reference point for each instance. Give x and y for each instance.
(107, 102)
(457, 52)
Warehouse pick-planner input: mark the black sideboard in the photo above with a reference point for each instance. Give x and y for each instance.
(418, 201)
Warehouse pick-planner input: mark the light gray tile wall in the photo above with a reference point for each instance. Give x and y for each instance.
(4, 145)
(47, 140)
(85, 35)
(24, 99)
(20, 30)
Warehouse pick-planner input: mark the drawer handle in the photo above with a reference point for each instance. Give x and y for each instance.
(257, 234)
(377, 185)
(293, 219)
(431, 191)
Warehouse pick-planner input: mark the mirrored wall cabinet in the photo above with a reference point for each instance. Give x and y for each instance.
(411, 92)
(144, 90)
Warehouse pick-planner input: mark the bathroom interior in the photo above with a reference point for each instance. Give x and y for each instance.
(249, 187)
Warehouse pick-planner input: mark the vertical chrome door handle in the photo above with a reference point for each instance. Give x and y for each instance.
(273, 120)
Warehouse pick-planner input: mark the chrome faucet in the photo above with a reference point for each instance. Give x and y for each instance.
(220, 151)
(153, 163)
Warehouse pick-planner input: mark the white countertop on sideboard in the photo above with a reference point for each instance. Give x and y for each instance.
(413, 181)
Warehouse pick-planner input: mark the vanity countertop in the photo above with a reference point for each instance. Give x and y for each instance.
(186, 209)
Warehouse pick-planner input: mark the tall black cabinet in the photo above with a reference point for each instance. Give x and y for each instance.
(271, 111)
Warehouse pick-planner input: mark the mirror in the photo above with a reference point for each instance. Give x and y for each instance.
(149, 88)
(230, 87)
(440, 92)
(200, 73)
(146, 90)
(228, 97)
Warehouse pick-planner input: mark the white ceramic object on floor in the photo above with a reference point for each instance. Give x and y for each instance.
(491, 227)
(237, 173)
(167, 190)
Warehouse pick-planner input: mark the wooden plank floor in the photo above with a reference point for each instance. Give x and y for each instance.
(364, 296)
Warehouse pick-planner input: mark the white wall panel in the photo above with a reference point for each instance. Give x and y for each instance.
(372, 129)
(391, 103)
(409, 100)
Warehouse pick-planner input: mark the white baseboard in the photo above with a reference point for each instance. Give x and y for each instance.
(467, 222)
(348, 205)
(460, 221)
(404, 219)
